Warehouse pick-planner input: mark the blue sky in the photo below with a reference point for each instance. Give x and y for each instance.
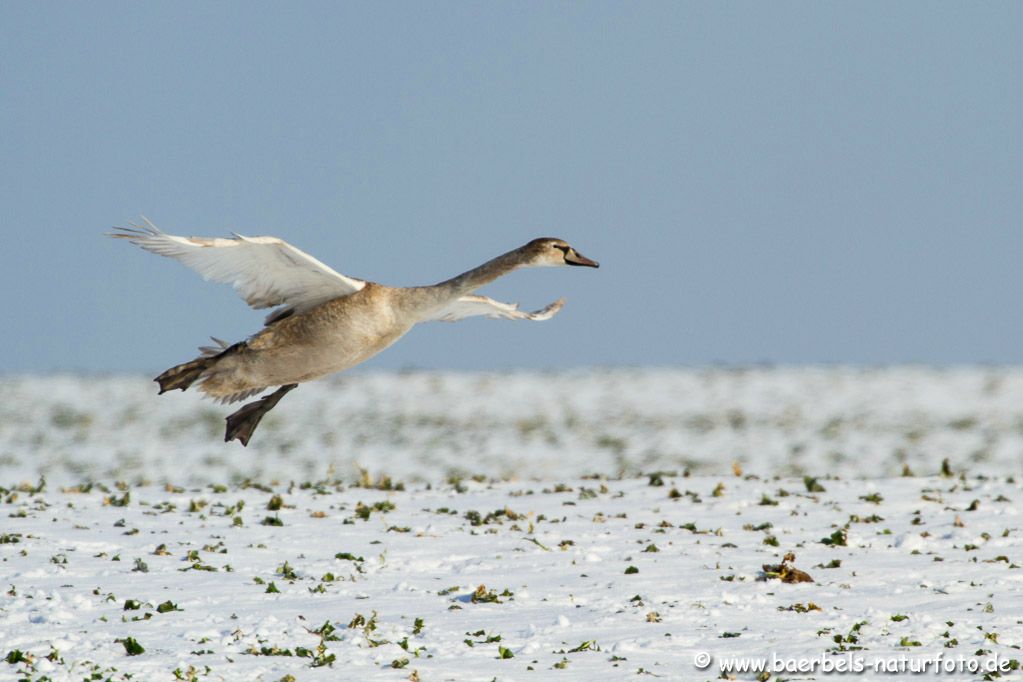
(762, 182)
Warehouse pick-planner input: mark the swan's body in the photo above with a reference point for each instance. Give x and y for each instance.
(325, 322)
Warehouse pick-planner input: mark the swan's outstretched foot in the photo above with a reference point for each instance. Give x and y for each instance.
(182, 376)
(242, 423)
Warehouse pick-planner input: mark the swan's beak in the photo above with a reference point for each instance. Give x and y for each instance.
(576, 258)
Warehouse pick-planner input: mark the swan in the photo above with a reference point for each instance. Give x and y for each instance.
(322, 321)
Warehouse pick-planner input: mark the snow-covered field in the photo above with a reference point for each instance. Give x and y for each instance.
(427, 426)
(594, 525)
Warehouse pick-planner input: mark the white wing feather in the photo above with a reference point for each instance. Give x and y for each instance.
(265, 271)
(469, 306)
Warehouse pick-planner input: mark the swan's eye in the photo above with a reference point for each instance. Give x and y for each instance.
(563, 249)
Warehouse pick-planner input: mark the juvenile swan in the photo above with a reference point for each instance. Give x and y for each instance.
(324, 321)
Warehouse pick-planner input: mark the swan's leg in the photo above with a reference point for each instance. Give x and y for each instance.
(242, 423)
(182, 376)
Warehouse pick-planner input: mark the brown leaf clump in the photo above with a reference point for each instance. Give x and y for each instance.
(786, 571)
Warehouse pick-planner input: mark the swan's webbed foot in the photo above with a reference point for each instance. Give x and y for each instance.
(242, 423)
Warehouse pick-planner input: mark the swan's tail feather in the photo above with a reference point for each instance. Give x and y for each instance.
(210, 351)
(184, 375)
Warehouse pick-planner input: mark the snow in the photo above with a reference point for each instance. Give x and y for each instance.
(424, 426)
(604, 524)
(553, 560)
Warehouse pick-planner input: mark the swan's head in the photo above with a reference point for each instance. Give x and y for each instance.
(549, 251)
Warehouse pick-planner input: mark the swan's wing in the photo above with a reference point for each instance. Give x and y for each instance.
(265, 271)
(468, 306)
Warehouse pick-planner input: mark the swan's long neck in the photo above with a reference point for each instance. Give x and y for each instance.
(425, 300)
(469, 281)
